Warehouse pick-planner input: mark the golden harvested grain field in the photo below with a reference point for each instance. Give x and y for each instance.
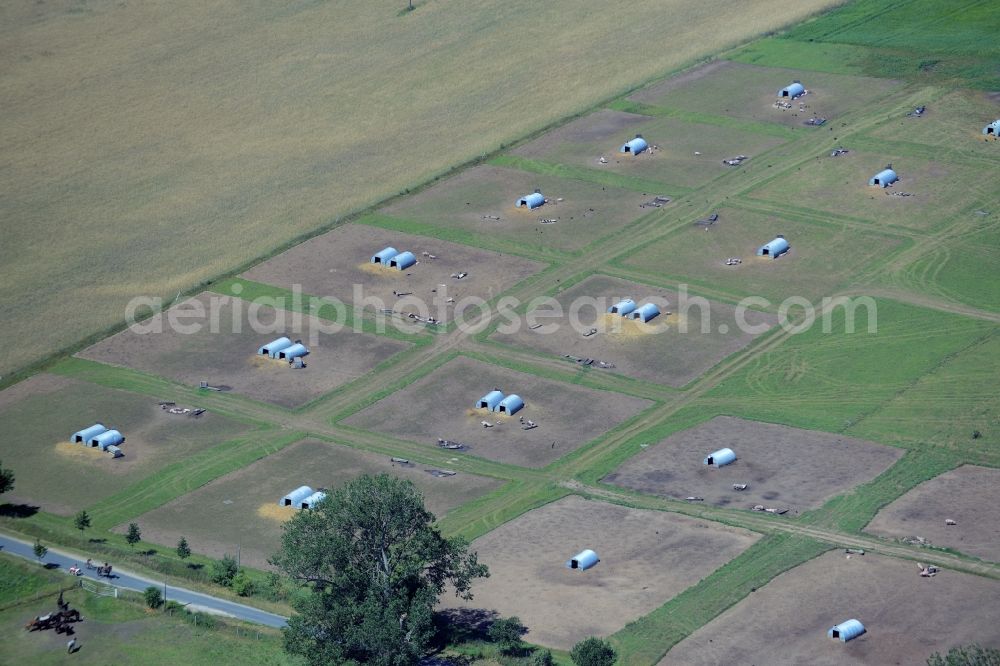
(145, 147)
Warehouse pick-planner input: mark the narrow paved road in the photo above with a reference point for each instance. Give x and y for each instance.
(131, 581)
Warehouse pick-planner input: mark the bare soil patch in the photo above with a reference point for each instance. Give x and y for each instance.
(482, 200)
(748, 91)
(228, 356)
(647, 557)
(783, 467)
(968, 495)
(657, 351)
(60, 477)
(443, 405)
(337, 265)
(907, 617)
(240, 509)
(682, 154)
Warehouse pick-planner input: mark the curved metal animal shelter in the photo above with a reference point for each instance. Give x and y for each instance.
(402, 261)
(512, 404)
(993, 129)
(883, 178)
(720, 458)
(583, 560)
(623, 307)
(846, 631)
(531, 201)
(272, 348)
(646, 312)
(106, 439)
(635, 146)
(295, 497)
(792, 90)
(314, 499)
(384, 256)
(87, 434)
(293, 351)
(774, 248)
(490, 401)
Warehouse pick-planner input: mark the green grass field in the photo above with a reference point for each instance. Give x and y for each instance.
(117, 631)
(279, 138)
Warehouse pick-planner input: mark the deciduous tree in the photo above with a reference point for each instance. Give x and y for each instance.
(375, 566)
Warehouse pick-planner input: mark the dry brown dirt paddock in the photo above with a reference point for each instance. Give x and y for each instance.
(473, 199)
(442, 405)
(907, 617)
(39, 414)
(337, 263)
(229, 356)
(240, 509)
(656, 351)
(784, 467)
(647, 557)
(968, 495)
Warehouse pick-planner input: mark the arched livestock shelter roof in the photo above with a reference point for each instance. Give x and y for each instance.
(512, 404)
(295, 497)
(403, 260)
(993, 129)
(384, 256)
(274, 346)
(106, 439)
(623, 307)
(646, 312)
(845, 631)
(583, 560)
(314, 499)
(84, 436)
(635, 146)
(531, 201)
(884, 178)
(774, 248)
(793, 90)
(293, 351)
(720, 458)
(490, 400)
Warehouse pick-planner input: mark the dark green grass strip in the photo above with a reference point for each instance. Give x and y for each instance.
(606, 178)
(646, 640)
(755, 127)
(851, 512)
(474, 519)
(183, 477)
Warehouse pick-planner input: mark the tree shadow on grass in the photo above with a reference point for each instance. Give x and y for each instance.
(461, 625)
(17, 510)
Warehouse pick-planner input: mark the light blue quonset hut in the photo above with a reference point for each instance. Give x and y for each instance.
(84, 436)
(774, 249)
(490, 401)
(993, 129)
(846, 631)
(623, 307)
(273, 347)
(512, 404)
(646, 312)
(295, 497)
(531, 201)
(384, 256)
(293, 352)
(403, 260)
(635, 146)
(793, 90)
(720, 458)
(884, 178)
(106, 439)
(583, 560)
(314, 499)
